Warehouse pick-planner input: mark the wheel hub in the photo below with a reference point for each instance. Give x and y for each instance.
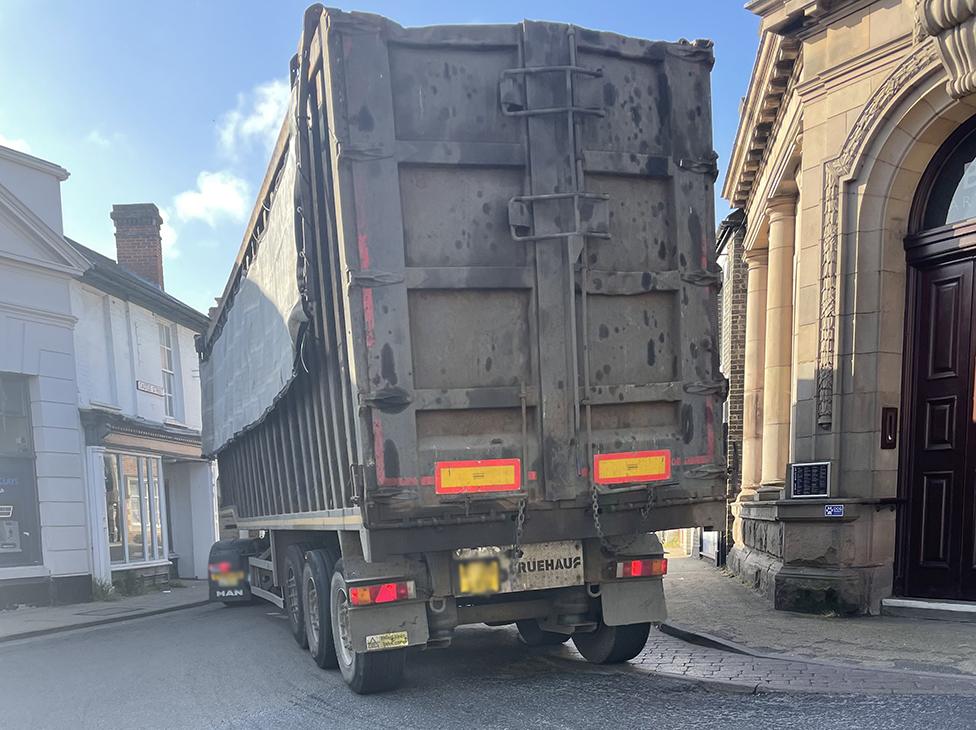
(291, 586)
(342, 619)
(312, 610)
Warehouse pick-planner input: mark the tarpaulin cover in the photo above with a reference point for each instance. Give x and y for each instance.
(251, 362)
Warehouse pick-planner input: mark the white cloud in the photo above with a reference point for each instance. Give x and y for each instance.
(256, 119)
(219, 196)
(98, 139)
(15, 144)
(169, 235)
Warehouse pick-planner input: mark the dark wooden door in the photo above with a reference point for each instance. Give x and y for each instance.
(939, 557)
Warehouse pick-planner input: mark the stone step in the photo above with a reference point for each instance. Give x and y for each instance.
(928, 608)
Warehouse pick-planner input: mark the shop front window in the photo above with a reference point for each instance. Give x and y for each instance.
(113, 509)
(20, 532)
(135, 510)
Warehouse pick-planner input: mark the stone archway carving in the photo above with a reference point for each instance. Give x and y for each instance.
(835, 173)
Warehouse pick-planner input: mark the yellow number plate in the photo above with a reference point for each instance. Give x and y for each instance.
(229, 580)
(392, 640)
(478, 577)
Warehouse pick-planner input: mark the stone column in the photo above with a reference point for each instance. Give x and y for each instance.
(752, 385)
(778, 378)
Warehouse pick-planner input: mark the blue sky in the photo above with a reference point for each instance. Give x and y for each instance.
(177, 102)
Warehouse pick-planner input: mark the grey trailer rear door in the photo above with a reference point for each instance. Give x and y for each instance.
(524, 215)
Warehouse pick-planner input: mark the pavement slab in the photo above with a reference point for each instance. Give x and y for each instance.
(28, 621)
(715, 605)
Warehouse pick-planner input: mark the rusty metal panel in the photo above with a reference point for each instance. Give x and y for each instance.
(506, 233)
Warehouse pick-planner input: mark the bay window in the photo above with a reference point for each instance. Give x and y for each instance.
(135, 508)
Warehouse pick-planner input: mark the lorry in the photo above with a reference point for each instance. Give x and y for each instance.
(466, 362)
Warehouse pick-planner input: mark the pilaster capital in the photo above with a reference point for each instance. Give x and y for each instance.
(756, 258)
(780, 207)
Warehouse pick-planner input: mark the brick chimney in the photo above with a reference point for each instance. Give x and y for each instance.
(138, 244)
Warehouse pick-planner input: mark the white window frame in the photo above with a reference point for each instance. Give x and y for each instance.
(167, 352)
(152, 554)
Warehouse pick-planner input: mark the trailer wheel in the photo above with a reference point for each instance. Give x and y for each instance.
(365, 673)
(612, 644)
(315, 587)
(532, 634)
(292, 592)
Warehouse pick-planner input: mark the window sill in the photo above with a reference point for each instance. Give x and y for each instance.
(24, 571)
(144, 564)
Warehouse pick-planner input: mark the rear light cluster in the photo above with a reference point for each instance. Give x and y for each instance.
(382, 593)
(644, 568)
(221, 567)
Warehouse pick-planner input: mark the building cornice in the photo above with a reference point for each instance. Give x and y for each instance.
(113, 429)
(767, 94)
(797, 16)
(35, 163)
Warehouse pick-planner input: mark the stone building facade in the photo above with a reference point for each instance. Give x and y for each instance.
(852, 168)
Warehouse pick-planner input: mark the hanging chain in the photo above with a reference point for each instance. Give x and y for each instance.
(595, 504)
(645, 510)
(516, 545)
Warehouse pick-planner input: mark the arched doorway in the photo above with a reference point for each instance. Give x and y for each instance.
(938, 523)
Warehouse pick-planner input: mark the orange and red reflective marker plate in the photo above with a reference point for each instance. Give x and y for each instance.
(483, 475)
(632, 467)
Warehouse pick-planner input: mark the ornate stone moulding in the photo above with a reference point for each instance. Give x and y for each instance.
(953, 24)
(835, 171)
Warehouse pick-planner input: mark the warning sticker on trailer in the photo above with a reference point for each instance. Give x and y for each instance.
(485, 475)
(632, 467)
(392, 640)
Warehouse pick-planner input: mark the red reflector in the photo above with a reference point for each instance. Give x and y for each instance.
(221, 567)
(360, 596)
(382, 593)
(645, 568)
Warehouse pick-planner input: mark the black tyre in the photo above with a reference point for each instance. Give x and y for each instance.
(532, 635)
(292, 593)
(316, 578)
(365, 673)
(612, 644)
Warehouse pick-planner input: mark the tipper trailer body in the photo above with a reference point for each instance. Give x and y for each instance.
(467, 360)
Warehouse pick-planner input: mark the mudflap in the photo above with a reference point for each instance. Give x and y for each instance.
(228, 570)
(238, 594)
(633, 602)
(393, 626)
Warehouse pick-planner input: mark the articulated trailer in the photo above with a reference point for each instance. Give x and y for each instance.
(466, 362)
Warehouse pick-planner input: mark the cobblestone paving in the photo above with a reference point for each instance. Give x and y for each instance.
(672, 657)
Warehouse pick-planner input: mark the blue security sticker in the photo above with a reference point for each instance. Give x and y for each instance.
(833, 510)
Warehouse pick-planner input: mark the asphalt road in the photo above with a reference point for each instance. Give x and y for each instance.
(217, 667)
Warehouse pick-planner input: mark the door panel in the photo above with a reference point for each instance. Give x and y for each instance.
(940, 480)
